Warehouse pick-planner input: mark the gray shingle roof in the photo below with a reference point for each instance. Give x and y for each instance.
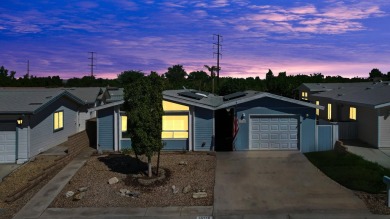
(375, 95)
(214, 102)
(318, 87)
(30, 101)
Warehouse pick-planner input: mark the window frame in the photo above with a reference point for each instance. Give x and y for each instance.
(305, 95)
(59, 128)
(352, 113)
(317, 110)
(176, 131)
(329, 111)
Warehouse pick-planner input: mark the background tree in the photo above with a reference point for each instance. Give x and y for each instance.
(128, 77)
(143, 103)
(198, 79)
(176, 76)
(375, 73)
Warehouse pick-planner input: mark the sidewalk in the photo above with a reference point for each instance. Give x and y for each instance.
(38, 204)
(370, 154)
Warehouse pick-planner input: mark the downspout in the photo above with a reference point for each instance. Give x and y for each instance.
(378, 128)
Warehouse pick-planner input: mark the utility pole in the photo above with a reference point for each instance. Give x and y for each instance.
(28, 68)
(92, 62)
(218, 53)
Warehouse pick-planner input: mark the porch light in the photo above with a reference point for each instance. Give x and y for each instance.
(19, 121)
(243, 116)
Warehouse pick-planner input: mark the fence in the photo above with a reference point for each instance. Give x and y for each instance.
(327, 135)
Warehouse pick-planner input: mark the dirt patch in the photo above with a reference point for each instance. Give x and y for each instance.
(19, 178)
(196, 169)
(376, 203)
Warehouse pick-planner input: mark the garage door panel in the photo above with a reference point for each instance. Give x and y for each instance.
(7, 145)
(274, 133)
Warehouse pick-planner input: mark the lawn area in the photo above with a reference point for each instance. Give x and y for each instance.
(350, 170)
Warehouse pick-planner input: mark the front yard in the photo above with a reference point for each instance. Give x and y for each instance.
(194, 170)
(355, 173)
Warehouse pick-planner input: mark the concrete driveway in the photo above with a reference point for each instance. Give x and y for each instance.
(280, 183)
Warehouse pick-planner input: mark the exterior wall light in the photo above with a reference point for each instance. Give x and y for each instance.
(243, 116)
(19, 121)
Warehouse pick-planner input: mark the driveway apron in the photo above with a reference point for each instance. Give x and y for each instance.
(277, 182)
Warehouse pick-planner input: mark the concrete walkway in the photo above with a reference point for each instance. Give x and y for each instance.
(382, 157)
(280, 184)
(41, 200)
(6, 169)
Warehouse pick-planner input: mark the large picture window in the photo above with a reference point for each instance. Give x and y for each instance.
(175, 126)
(58, 120)
(175, 121)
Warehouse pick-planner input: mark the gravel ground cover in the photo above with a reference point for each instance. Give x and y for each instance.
(376, 203)
(196, 169)
(18, 179)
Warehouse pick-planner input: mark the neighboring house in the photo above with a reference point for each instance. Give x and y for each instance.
(202, 121)
(47, 116)
(32, 121)
(361, 110)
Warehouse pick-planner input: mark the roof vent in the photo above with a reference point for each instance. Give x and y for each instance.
(340, 95)
(341, 88)
(35, 104)
(191, 95)
(48, 97)
(368, 88)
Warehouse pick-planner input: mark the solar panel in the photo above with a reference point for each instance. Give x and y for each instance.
(190, 95)
(233, 96)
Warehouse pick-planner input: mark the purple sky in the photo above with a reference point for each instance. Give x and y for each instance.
(346, 38)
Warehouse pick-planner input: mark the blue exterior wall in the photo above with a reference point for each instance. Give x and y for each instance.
(105, 123)
(125, 143)
(175, 145)
(42, 135)
(268, 107)
(203, 129)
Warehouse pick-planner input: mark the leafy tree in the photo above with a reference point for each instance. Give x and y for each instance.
(176, 73)
(143, 103)
(375, 73)
(198, 79)
(130, 76)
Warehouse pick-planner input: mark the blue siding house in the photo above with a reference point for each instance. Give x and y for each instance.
(241, 121)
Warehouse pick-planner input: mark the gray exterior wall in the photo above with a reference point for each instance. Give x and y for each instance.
(273, 107)
(22, 144)
(384, 127)
(42, 135)
(367, 120)
(105, 129)
(203, 129)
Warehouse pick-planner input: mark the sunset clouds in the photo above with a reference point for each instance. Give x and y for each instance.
(346, 38)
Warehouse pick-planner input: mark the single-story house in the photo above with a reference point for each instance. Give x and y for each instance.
(200, 121)
(361, 110)
(33, 120)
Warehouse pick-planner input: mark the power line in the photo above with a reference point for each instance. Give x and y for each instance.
(92, 58)
(218, 53)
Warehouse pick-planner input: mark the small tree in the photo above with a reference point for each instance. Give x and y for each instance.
(143, 103)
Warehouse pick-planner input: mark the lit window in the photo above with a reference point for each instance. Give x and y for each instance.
(169, 106)
(352, 113)
(174, 126)
(317, 110)
(304, 95)
(124, 123)
(58, 120)
(329, 111)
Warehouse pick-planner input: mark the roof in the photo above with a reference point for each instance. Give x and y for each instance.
(318, 87)
(87, 94)
(375, 95)
(115, 94)
(31, 101)
(214, 102)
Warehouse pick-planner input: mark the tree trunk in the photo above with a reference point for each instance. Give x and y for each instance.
(150, 166)
(158, 161)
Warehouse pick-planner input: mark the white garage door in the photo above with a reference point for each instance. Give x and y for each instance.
(7, 143)
(273, 133)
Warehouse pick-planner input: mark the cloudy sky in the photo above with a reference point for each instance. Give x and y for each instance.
(346, 38)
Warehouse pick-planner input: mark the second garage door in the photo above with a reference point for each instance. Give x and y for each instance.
(7, 142)
(273, 133)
